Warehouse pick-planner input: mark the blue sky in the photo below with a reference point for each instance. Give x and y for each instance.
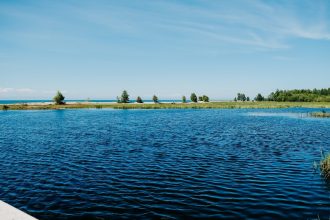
(169, 48)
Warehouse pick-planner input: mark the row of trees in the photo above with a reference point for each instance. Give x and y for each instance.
(242, 97)
(302, 95)
(193, 98)
(295, 95)
(124, 98)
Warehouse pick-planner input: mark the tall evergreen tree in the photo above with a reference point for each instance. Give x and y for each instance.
(124, 97)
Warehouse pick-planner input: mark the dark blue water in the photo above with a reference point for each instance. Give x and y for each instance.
(143, 164)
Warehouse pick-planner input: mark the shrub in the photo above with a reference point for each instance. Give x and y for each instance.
(184, 100)
(59, 98)
(5, 107)
(200, 98)
(155, 99)
(205, 98)
(193, 97)
(124, 97)
(139, 100)
(325, 167)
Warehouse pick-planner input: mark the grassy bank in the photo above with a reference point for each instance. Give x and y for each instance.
(215, 105)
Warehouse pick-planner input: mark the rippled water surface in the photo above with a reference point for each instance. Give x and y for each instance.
(110, 164)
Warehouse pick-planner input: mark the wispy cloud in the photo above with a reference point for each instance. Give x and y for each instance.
(254, 23)
(15, 90)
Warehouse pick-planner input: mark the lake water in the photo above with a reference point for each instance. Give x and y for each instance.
(141, 164)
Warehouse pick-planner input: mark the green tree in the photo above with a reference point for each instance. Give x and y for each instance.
(235, 99)
(239, 97)
(139, 100)
(243, 97)
(59, 98)
(200, 98)
(124, 97)
(248, 99)
(193, 97)
(155, 99)
(259, 98)
(184, 100)
(205, 98)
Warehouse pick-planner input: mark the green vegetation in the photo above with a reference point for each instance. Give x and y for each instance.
(213, 105)
(59, 98)
(205, 98)
(325, 167)
(241, 97)
(124, 97)
(296, 95)
(200, 98)
(302, 95)
(184, 100)
(155, 99)
(193, 97)
(259, 98)
(139, 100)
(5, 107)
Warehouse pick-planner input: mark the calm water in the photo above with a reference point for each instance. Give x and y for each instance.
(109, 164)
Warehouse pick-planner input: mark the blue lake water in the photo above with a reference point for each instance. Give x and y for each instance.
(147, 164)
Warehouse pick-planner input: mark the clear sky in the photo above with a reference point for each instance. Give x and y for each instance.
(169, 48)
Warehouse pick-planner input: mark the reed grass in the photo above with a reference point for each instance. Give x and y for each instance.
(325, 167)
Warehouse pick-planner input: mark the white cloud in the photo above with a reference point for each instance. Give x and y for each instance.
(15, 90)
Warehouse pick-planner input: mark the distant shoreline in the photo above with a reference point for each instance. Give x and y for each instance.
(165, 105)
